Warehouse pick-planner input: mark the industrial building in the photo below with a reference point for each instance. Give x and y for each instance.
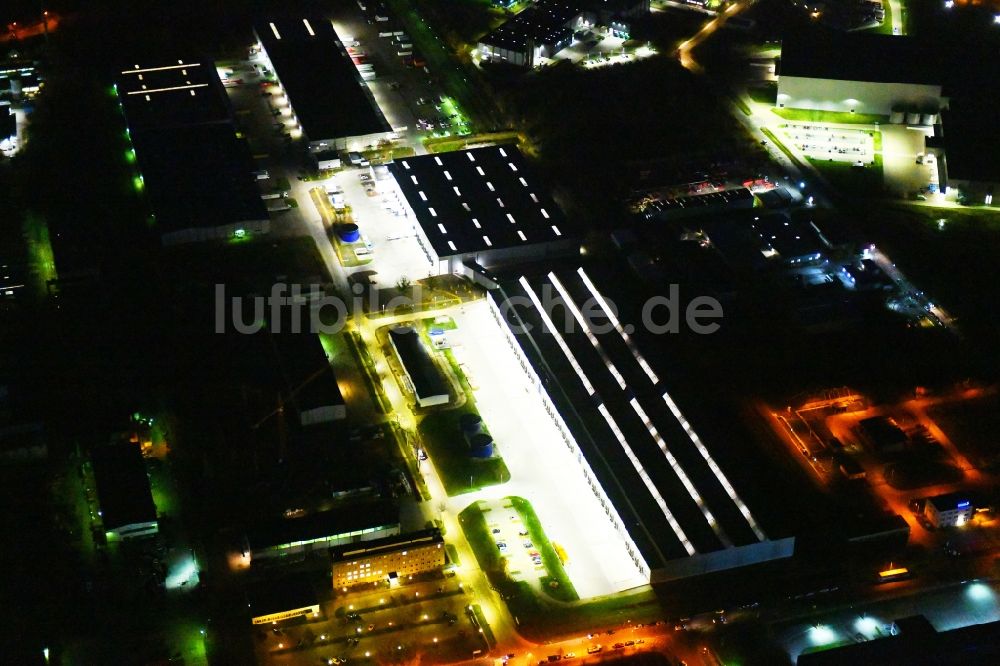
(865, 73)
(273, 600)
(914, 641)
(540, 31)
(950, 510)
(880, 434)
(482, 205)
(793, 242)
(548, 26)
(197, 174)
(123, 492)
(387, 560)
(423, 377)
(318, 532)
(329, 100)
(20, 79)
(966, 146)
(677, 510)
(309, 382)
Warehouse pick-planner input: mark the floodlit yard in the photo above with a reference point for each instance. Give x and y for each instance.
(542, 469)
(900, 147)
(386, 221)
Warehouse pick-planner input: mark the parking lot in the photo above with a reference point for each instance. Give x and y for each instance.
(430, 619)
(542, 469)
(833, 143)
(408, 95)
(512, 539)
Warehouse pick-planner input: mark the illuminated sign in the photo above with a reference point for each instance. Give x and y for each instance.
(284, 615)
(893, 572)
(962, 505)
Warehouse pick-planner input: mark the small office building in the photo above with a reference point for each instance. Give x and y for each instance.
(423, 377)
(950, 510)
(123, 491)
(329, 100)
(483, 206)
(391, 560)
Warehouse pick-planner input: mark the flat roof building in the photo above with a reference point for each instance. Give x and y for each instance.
(916, 642)
(482, 205)
(273, 600)
(949, 510)
(427, 384)
(387, 560)
(316, 532)
(332, 104)
(127, 508)
(540, 31)
(788, 240)
(310, 383)
(197, 174)
(857, 72)
(547, 27)
(678, 512)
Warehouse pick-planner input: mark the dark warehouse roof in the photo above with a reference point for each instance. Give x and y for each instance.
(426, 378)
(122, 486)
(183, 91)
(326, 92)
(342, 520)
(857, 56)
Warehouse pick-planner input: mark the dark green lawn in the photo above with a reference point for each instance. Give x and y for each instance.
(449, 453)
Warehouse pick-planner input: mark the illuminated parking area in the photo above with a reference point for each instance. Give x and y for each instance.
(543, 469)
(831, 143)
(666, 485)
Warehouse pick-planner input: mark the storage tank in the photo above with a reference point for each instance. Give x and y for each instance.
(912, 117)
(349, 233)
(897, 116)
(481, 446)
(471, 424)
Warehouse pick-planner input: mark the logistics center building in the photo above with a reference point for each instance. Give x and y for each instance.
(861, 73)
(195, 170)
(330, 102)
(677, 510)
(482, 206)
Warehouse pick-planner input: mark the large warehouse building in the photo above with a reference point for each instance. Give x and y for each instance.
(331, 103)
(860, 73)
(318, 532)
(678, 511)
(484, 206)
(127, 508)
(196, 172)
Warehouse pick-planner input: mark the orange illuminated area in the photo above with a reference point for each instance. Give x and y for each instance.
(49, 22)
(899, 451)
(890, 574)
